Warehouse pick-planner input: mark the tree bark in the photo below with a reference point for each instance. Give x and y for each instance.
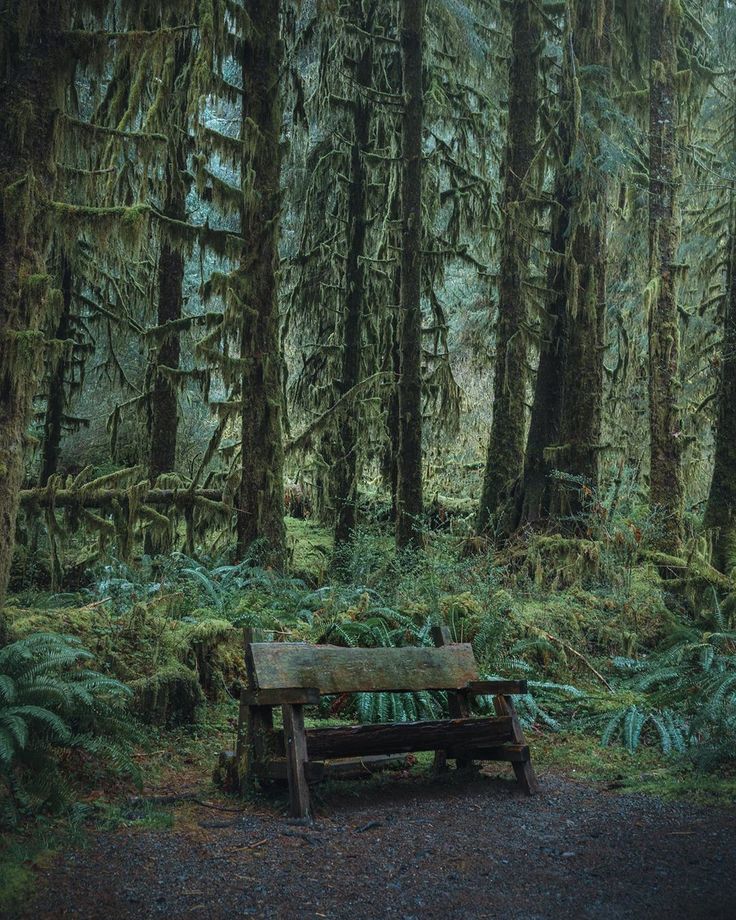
(565, 427)
(261, 494)
(587, 74)
(533, 498)
(163, 417)
(344, 485)
(505, 457)
(409, 484)
(56, 398)
(31, 70)
(666, 485)
(720, 512)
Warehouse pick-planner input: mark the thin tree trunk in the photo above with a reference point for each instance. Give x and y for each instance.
(666, 485)
(56, 399)
(393, 414)
(28, 89)
(346, 465)
(261, 496)
(506, 444)
(533, 498)
(163, 406)
(409, 485)
(164, 418)
(720, 512)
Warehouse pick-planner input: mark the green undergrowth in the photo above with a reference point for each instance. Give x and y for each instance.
(610, 652)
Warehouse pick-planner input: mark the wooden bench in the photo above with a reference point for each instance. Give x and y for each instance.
(295, 675)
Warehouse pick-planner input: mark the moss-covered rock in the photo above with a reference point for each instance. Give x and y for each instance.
(215, 649)
(169, 697)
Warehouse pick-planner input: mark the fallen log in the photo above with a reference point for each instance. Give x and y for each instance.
(105, 498)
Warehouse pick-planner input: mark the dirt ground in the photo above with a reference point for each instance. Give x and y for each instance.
(412, 850)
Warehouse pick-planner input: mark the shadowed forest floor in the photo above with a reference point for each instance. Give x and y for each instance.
(407, 849)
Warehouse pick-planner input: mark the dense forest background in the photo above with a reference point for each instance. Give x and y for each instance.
(342, 318)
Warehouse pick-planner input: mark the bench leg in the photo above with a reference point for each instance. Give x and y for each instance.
(255, 723)
(458, 704)
(525, 775)
(295, 742)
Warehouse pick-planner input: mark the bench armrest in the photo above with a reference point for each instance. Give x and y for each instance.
(496, 687)
(295, 696)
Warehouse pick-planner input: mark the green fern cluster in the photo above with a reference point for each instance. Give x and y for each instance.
(685, 694)
(49, 702)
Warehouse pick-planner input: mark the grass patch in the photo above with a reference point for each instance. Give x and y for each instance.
(578, 756)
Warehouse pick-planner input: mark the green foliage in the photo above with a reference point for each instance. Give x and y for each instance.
(51, 702)
(683, 695)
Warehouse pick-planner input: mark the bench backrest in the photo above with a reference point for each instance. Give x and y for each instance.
(333, 669)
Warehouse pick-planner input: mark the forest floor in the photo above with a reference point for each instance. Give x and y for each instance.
(399, 845)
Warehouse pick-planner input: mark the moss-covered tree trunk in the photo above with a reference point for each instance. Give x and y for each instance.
(163, 399)
(506, 444)
(533, 498)
(409, 466)
(260, 512)
(565, 427)
(163, 406)
(163, 414)
(665, 427)
(53, 424)
(587, 76)
(344, 480)
(720, 513)
(31, 86)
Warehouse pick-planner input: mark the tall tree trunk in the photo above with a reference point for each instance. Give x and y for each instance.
(30, 73)
(506, 444)
(261, 496)
(533, 498)
(344, 485)
(565, 426)
(587, 73)
(409, 485)
(720, 512)
(666, 485)
(163, 411)
(56, 398)
(163, 404)
(163, 415)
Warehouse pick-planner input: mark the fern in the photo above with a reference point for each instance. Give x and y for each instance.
(685, 694)
(50, 701)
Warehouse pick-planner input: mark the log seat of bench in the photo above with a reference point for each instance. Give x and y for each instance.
(407, 737)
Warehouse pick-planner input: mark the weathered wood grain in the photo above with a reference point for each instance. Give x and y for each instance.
(296, 760)
(524, 770)
(492, 687)
(347, 670)
(458, 703)
(404, 737)
(510, 753)
(306, 696)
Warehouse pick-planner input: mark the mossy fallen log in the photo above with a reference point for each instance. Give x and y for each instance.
(106, 498)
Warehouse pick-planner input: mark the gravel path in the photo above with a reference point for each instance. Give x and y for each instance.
(414, 851)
